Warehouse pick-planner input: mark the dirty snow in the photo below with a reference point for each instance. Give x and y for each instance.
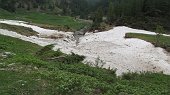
(66, 38)
(125, 55)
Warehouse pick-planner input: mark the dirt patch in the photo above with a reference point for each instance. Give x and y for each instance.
(53, 36)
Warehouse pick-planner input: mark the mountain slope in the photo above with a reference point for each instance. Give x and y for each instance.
(23, 72)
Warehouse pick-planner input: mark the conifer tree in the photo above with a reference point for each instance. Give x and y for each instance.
(111, 14)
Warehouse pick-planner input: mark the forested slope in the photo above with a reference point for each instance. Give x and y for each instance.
(143, 14)
(65, 7)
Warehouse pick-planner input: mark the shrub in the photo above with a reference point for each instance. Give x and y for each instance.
(74, 84)
(106, 75)
(129, 76)
(46, 53)
(45, 49)
(73, 58)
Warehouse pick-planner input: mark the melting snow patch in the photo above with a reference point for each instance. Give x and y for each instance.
(111, 47)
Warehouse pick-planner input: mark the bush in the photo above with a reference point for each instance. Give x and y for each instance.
(73, 58)
(106, 75)
(45, 49)
(65, 83)
(46, 53)
(129, 76)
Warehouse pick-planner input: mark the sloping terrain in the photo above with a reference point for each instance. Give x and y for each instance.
(108, 49)
(24, 72)
(124, 54)
(46, 20)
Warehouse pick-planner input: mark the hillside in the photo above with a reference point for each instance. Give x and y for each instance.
(103, 49)
(141, 14)
(84, 47)
(64, 23)
(27, 68)
(22, 71)
(64, 7)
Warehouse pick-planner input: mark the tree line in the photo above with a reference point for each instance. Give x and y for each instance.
(145, 14)
(110, 8)
(63, 7)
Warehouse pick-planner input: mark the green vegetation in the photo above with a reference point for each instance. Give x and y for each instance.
(140, 14)
(45, 20)
(164, 41)
(48, 54)
(62, 7)
(143, 14)
(34, 70)
(19, 29)
(159, 31)
(97, 18)
(17, 46)
(29, 69)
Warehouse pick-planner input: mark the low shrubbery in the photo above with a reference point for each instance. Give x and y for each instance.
(72, 58)
(98, 73)
(46, 52)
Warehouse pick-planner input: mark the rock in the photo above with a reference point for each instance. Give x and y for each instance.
(6, 54)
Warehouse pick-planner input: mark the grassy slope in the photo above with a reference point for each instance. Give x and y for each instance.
(19, 29)
(45, 20)
(164, 40)
(31, 75)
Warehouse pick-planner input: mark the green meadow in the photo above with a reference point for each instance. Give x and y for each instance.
(51, 21)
